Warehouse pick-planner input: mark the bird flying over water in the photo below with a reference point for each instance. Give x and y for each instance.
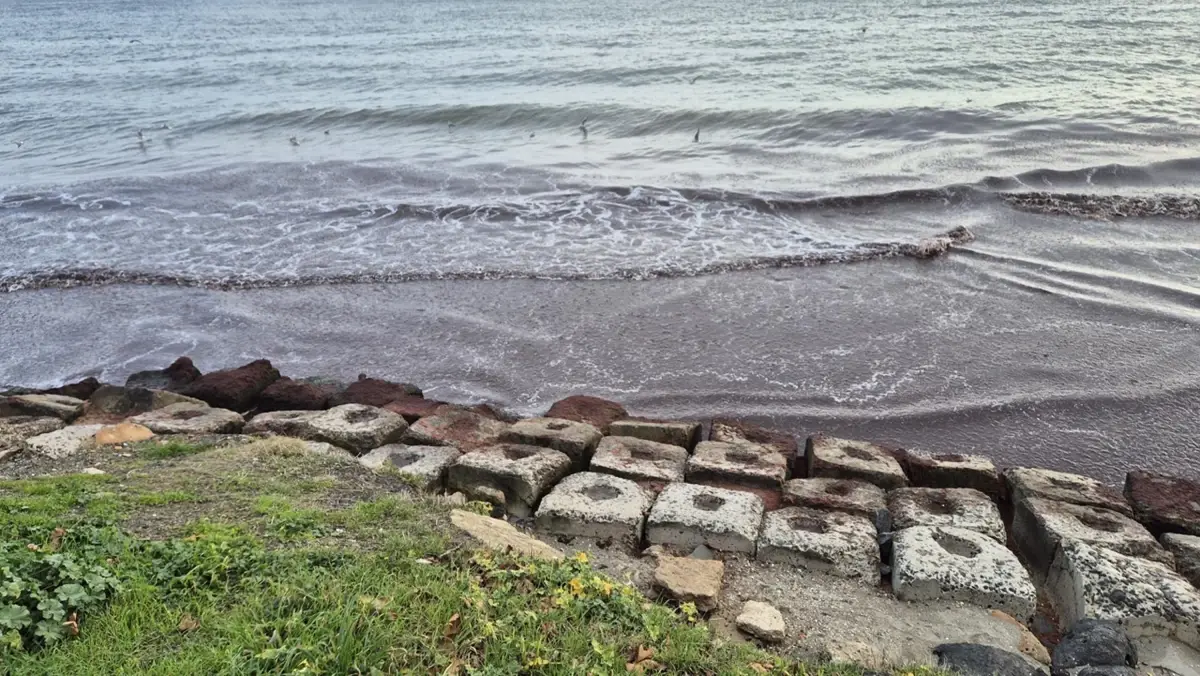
(327, 132)
(583, 128)
(19, 143)
(294, 141)
(694, 79)
(165, 127)
(141, 136)
(696, 138)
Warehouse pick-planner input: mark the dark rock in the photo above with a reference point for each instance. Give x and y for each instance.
(1094, 643)
(120, 402)
(1104, 671)
(1163, 503)
(595, 411)
(286, 394)
(983, 660)
(489, 411)
(233, 389)
(181, 373)
(80, 390)
(414, 408)
(374, 392)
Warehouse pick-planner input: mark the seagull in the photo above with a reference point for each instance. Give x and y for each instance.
(141, 136)
(19, 143)
(864, 29)
(165, 127)
(696, 138)
(294, 141)
(583, 128)
(327, 132)
(135, 41)
(531, 134)
(694, 79)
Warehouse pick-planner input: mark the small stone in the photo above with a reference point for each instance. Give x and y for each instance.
(687, 515)
(952, 470)
(41, 405)
(374, 392)
(1029, 644)
(685, 434)
(576, 439)
(462, 429)
(740, 462)
(702, 552)
(1186, 550)
(122, 433)
(733, 431)
(190, 419)
(1095, 643)
(833, 458)
(1025, 482)
(599, 506)
(92, 471)
(356, 427)
(692, 580)
(857, 653)
(1039, 525)
(501, 536)
(971, 659)
(1164, 503)
(174, 378)
(762, 621)
(597, 412)
(286, 394)
(840, 495)
(233, 389)
(414, 408)
(327, 449)
(639, 460)
(837, 543)
(63, 443)
(955, 564)
(511, 476)
(954, 507)
(428, 464)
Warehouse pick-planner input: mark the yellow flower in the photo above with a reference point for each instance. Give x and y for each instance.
(604, 585)
(576, 586)
(581, 557)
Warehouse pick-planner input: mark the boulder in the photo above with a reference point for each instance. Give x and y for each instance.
(840, 495)
(639, 460)
(1165, 504)
(374, 392)
(355, 427)
(114, 400)
(762, 621)
(597, 412)
(64, 442)
(687, 515)
(731, 431)
(1039, 525)
(1027, 482)
(971, 659)
(80, 390)
(685, 434)
(954, 507)
(283, 423)
(837, 543)
(576, 439)
(832, 458)
(233, 389)
(599, 506)
(123, 433)
(414, 408)
(15, 430)
(462, 429)
(174, 378)
(286, 394)
(953, 470)
(1186, 550)
(511, 476)
(1094, 643)
(739, 462)
(686, 579)
(500, 536)
(190, 419)
(41, 405)
(426, 464)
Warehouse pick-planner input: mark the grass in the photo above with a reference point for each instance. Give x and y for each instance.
(310, 565)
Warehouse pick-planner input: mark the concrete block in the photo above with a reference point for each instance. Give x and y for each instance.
(1186, 550)
(687, 515)
(357, 428)
(830, 542)
(740, 462)
(952, 470)
(283, 423)
(593, 505)
(954, 507)
(1164, 503)
(1039, 525)
(428, 464)
(460, 428)
(576, 439)
(64, 442)
(511, 476)
(733, 431)
(36, 405)
(1146, 597)
(639, 460)
(1027, 482)
(685, 434)
(833, 458)
(955, 564)
(187, 418)
(840, 495)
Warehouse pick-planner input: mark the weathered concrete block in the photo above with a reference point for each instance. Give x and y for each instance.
(460, 428)
(930, 563)
(830, 542)
(840, 495)
(41, 405)
(356, 427)
(1146, 597)
(1026, 482)
(685, 434)
(15, 430)
(740, 462)
(283, 423)
(1039, 525)
(733, 431)
(1165, 504)
(686, 579)
(762, 621)
(511, 476)
(954, 507)
(188, 418)
(597, 412)
(111, 400)
(426, 463)
(688, 516)
(1186, 550)
(832, 458)
(576, 439)
(64, 442)
(594, 505)
(952, 470)
(639, 460)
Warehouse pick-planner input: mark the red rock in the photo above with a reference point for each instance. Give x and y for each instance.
(1163, 503)
(181, 373)
(80, 390)
(592, 410)
(731, 431)
(374, 392)
(286, 394)
(414, 408)
(772, 497)
(233, 389)
(451, 426)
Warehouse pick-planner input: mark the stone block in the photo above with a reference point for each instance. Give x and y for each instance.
(740, 462)
(511, 476)
(597, 412)
(175, 377)
(687, 515)
(952, 470)
(16, 429)
(233, 389)
(576, 439)
(1027, 482)
(955, 564)
(501, 536)
(1146, 597)
(428, 464)
(762, 621)
(830, 542)
(1186, 550)
(1165, 504)
(111, 400)
(283, 423)
(1039, 525)
(840, 495)
(639, 460)
(356, 427)
(460, 428)
(954, 507)
(188, 418)
(733, 431)
(374, 392)
(64, 442)
(41, 405)
(685, 434)
(832, 458)
(686, 580)
(592, 505)
(286, 394)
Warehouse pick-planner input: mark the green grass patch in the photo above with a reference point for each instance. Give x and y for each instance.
(47, 501)
(288, 522)
(172, 448)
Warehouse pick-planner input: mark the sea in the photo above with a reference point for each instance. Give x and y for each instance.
(961, 226)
